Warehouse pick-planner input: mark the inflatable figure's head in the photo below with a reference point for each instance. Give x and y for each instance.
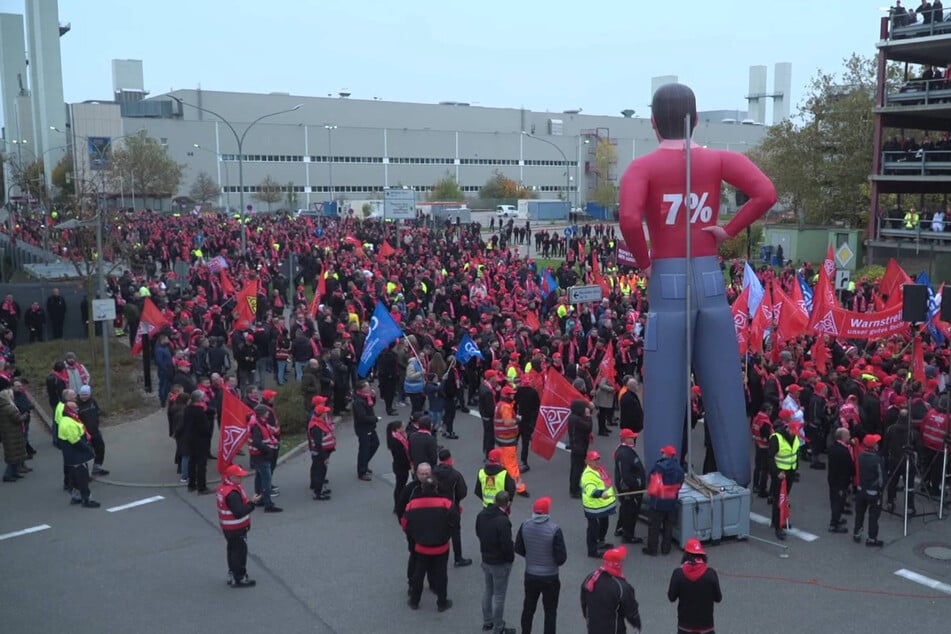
(671, 103)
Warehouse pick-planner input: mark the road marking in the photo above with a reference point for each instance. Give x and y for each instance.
(795, 532)
(154, 498)
(934, 584)
(25, 531)
(563, 446)
(389, 477)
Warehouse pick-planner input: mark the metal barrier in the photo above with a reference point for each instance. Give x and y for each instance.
(894, 227)
(900, 29)
(919, 92)
(920, 162)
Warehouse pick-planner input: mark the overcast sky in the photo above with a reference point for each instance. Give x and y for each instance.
(543, 55)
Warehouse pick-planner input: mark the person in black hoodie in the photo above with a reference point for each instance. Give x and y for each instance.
(498, 552)
(364, 425)
(197, 429)
(607, 599)
(527, 404)
(696, 587)
(579, 438)
(487, 399)
(452, 485)
(422, 443)
(89, 414)
(388, 371)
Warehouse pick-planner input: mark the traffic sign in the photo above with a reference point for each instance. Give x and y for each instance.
(103, 309)
(842, 278)
(844, 255)
(585, 294)
(399, 204)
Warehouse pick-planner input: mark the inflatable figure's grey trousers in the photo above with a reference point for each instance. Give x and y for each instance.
(716, 363)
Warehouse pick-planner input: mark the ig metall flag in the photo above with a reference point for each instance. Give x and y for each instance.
(383, 331)
(467, 350)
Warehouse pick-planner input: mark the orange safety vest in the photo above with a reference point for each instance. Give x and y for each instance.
(328, 441)
(506, 428)
(756, 429)
(933, 430)
(226, 518)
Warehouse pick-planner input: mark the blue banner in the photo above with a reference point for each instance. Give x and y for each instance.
(756, 287)
(549, 283)
(383, 331)
(467, 350)
(807, 292)
(934, 307)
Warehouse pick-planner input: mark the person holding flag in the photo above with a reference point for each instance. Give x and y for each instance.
(383, 331)
(784, 447)
(234, 517)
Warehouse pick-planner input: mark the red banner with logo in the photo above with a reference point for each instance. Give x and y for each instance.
(234, 428)
(552, 422)
(848, 324)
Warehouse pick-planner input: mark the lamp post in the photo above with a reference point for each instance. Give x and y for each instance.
(239, 139)
(330, 150)
(565, 158)
(227, 179)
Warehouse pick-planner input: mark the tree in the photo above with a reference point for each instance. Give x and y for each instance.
(204, 189)
(29, 179)
(269, 192)
(499, 186)
(62, 176)
(605, 158)
(447, 190)
(142, 166)
(821, 158)
(291, 196)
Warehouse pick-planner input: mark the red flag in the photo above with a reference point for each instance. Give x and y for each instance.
(893, 279)
(606, 369)
(793, 317)
(552, 423)
(227, 286)
(820, 354)
(825, 289)
(767, 316)
(580, 249)
(315, 304)
(877, 302)
(783, 504)
(150, 319)
(247, 300)
(741, 320)
(234, 428)
(386, 250)
(531, 320)
(799, 301)
(321, 291)
(356, 244)
(918, 361)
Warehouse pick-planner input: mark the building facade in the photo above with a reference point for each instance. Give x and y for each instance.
(342, 148)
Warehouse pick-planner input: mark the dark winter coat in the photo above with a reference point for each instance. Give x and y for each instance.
(579, 428)
(11, 432)
(695, 594)
(494, 531)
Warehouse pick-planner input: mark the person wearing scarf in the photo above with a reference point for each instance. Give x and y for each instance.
(197, 427)
(607, 599)
(696, 587)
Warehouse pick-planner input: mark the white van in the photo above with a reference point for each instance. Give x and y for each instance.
(506, 211)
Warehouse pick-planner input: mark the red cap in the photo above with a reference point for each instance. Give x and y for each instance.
(614, 559)
(542, 506)
(593, 455)
(268, 395)
(628, 433)
(490, 374)
(318, 400)
(321, 409)
(696, 390)
(693, 547)
(871, 439)
(786, 414)
(583, 360)
(508, 391)
(249, 337)
(495, 456)
(900, 400)
(795, 387)
(668, 450)
(557, 355)
(233, 470)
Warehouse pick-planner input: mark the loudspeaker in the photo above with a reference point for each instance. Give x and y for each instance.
(946, 304)
(914, 303)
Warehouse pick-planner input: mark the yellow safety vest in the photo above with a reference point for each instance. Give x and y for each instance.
(69, 430)
(787, 458)
(562, 311)
(590, 481)
(491, 485)
(911, 220)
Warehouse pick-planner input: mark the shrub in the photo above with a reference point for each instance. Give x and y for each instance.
(735, 247)
(873, 272)
(289, 407)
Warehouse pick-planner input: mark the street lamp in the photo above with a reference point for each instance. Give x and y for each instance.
(227, 180)
(567, 171)
(240, 141)
(330, 149)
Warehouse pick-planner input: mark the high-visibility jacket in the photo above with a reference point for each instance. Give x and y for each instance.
(327, 442)
(911, 219)
(787, 458)
(491, 485)
(226, 518)
(562, 311)
(512, 372)
(267, 436)
(933, 430)
(70, 429)
(591, 481)
(756, 429)
(506, 427)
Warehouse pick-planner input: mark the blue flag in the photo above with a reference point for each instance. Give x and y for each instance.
(383, 332)
(756, 288)
(807, 291)
(549, 283)
(934, 307)
(467, 350)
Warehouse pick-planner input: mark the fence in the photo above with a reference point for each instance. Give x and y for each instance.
(25, 294)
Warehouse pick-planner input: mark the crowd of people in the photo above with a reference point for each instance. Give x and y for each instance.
(444, 283)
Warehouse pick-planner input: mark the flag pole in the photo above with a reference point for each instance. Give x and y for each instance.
(689, 290)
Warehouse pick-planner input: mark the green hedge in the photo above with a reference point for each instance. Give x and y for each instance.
(290, 410)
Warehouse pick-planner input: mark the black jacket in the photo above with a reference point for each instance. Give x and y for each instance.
(579, 428)
(609, 605)
(631, 412)
(197, 429)
(450, 484)
(871, 474)
(696, 598)
(841, 466)
(364, 420)
(400, 459)
(89, 414)
(386, 366)
(629, 472)
(423, 448)
(494, 531)
(527, 404)
(430, 522)
(486, 402)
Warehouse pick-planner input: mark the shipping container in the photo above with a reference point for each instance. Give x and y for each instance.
(547, 209)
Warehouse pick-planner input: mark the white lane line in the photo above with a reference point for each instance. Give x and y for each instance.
(795, 532)
(25, 531)
(154, 498)
(563, 446)
(934, 584)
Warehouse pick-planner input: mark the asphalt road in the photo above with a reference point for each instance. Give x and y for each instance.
(338, 566)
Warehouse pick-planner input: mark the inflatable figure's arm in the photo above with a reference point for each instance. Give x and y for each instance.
(742, 173)
(633, 199)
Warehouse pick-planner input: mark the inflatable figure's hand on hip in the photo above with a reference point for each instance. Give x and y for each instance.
(719, 233)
